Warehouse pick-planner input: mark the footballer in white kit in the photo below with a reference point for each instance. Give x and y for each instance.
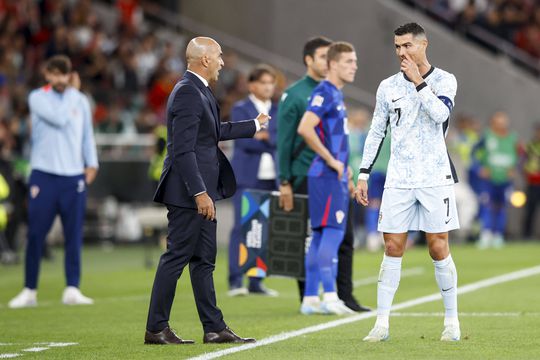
(415, 104)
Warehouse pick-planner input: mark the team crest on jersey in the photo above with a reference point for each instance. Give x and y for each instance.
(34, 191)
(340, 215)
(80, 186)
(317, 100)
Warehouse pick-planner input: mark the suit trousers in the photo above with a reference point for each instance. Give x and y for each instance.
(191, 240)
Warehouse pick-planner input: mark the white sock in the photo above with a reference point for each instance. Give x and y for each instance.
(446, 276)
(389, 277)
(311, 300)
(330, 297)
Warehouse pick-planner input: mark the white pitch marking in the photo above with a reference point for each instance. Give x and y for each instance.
(407, 304)
(465, 314)
(35, 349)
(404, 273)
(9, 356)
(57, 344)
(6, 344)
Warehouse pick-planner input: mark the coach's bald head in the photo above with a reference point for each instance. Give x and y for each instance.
(203, 56)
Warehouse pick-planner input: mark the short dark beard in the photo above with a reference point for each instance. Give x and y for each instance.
(60, 89)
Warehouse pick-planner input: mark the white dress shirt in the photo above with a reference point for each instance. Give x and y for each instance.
(267, 170)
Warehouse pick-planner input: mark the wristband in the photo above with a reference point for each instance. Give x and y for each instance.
(363, 176)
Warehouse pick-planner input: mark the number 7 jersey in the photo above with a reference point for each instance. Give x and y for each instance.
(418, 117)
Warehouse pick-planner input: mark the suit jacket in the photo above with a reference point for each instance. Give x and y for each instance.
(194, 162)
(247, 152)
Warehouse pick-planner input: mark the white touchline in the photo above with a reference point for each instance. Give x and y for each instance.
(58, 344)
(465, 314)
(9, 356)
(404, 273)
(407, 304)
(35, 349)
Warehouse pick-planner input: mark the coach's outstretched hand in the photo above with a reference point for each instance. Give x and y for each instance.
(205, 206)
(361, 192)
(263, 119)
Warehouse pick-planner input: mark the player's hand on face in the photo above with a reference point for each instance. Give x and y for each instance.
(409, 68)
(205, 206)
(338, 166)
(361, 193)
(263, 119)
(286, 197)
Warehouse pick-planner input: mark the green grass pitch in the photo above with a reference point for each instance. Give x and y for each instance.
(497, 322)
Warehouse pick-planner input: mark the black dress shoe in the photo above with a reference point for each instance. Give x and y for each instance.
(164, 337)
(355, 306)
(225, 336)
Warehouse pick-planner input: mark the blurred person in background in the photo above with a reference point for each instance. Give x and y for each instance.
(294, 157)
(461, 140)
(63, 162)
(7, 256)
(7, 250)
(254, 167)
(531, 170)
(232, 86)
(158, 157)
(358, 123)
(358, 127)
(376, 181)
(497, 156)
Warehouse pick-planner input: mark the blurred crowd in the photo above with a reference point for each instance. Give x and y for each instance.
(515, 21)
(126, 70)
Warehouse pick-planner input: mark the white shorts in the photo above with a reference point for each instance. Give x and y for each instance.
(432, 210)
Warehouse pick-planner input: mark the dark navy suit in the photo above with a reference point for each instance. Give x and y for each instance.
(194, 164)
(245, 162)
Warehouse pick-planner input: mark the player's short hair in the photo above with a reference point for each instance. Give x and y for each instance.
(410, 28)
(59, 63)
(336, 49)
(259, 71)
(313, 44)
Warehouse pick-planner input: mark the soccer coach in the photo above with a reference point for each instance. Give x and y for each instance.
(195, 175)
